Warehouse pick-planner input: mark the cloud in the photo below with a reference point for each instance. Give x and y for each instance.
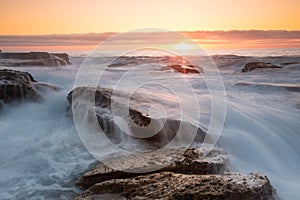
(258, 37)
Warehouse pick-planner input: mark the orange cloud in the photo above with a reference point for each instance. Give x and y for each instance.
(207, 39)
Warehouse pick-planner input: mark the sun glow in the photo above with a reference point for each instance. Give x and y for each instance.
(183, 46)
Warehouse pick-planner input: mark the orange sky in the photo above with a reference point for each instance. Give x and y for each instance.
(30, 17)
(47, 17)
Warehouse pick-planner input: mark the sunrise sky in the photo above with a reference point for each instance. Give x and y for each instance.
(42, 17)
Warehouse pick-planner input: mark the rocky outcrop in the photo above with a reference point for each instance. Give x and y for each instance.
(258, 65)
(189, 69)
(34, 59)
(97, 102)
(159, 173)
(166, 62)
(18, 86)
(185, 161)
(168, 185)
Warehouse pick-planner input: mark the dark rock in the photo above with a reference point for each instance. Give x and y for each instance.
(17, 86)
(168, 185)
(185, 161)
(258, 65)
(186, 69)
(270, 86)
(289, 63)
(35, 59)
(97, 102)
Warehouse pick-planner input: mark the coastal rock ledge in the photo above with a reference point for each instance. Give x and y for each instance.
(19, 86)
(34, 59)
(181, 174)
(152, 132)
(169, 185)
(258, 65)
(198, 172)
(185, 161)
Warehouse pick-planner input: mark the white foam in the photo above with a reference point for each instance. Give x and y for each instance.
(41, 154)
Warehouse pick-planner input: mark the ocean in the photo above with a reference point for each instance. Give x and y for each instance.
(254, 115)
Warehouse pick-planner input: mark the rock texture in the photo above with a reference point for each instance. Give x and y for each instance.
(258, 65)
(97, 102)
(168, 185)
(166, 62)
(159, 173)
(34, 59)
(185, 161)
(189, 69)
(17, 86)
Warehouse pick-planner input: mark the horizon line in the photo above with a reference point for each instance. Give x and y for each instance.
(163, 30)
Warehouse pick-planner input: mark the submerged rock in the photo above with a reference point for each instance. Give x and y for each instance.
(34, 59)
(258, 65)
(269, 86)
(97, 101)
(17, 86)
(168, 185)
(185, 161)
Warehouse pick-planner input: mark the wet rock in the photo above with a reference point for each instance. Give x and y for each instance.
(18, 86)
(34, 59)
(189, 69)
(185, 161)
(258, 65)
(271, 86)
(158, 132)
(289, 63)
(169, 185)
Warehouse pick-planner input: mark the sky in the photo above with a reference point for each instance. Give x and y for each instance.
(62, 17)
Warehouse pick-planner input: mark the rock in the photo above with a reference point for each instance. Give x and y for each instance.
(169, 185)
(185, 161)
(186, 69)
(17, 86)
(155, 131)
(161, 173)
(271, 86)
(34, 59)
(289, 63)
(258, 65)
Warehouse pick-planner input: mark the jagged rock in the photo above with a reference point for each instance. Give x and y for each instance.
(17, 86)
(168, 185)
(186, 161)
(186, 69)
(258, 65)
(34, 59)
(97, 102)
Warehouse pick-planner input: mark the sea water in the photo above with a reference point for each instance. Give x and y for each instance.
(41, 155)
